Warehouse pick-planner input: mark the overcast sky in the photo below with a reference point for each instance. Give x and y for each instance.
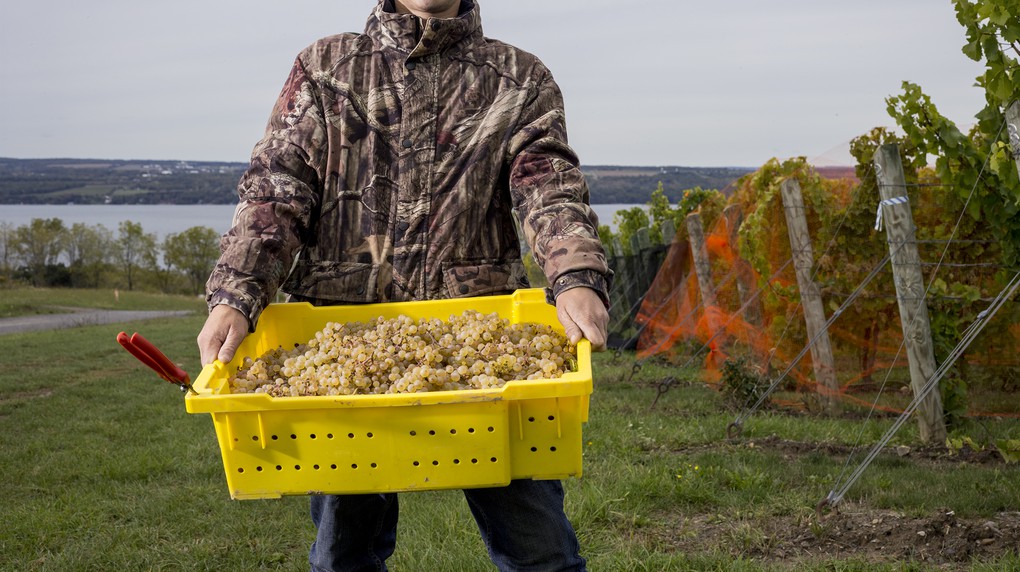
(645, 82)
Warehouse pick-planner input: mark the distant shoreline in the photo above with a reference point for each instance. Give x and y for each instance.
(64, 181)
(164, 219)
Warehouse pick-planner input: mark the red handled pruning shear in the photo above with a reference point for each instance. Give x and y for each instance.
(147, 353)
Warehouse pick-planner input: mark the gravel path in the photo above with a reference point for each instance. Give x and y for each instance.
(81, 317)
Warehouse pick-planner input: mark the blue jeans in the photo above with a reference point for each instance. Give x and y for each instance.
(523, 526)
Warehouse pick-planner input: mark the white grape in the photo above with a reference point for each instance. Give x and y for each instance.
(403, 355)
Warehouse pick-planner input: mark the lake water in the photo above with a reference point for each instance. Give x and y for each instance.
(162, 220)
(158, 219)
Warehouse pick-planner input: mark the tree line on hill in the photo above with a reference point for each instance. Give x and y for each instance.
(88, 181)
(91, 181)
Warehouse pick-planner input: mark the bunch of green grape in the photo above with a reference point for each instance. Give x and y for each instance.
(403, 355)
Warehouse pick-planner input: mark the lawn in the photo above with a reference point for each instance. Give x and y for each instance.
(28, 301)
(105, 470)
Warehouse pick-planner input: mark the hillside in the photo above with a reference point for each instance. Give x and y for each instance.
(620, 184)
(92, 181)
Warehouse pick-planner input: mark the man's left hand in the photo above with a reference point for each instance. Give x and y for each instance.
(583, 314)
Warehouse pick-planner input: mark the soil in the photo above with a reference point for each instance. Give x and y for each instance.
(928, 454)
(940, 540)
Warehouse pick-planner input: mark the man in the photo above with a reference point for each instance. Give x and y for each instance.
(391, 168)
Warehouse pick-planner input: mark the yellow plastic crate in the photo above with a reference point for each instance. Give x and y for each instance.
(388, 443)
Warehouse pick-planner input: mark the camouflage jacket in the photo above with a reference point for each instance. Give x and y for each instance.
(391, 169)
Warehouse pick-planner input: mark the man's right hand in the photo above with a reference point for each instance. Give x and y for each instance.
(223, 331)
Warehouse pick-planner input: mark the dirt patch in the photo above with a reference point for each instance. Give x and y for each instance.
(25, 395)
(17, 398)
(853, 531)
(934, 454)
(879, 536)
(927, 454)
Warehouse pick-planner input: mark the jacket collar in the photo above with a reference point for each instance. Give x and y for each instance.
(415, 37)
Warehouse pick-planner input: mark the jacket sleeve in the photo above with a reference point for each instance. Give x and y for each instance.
(550, 197)
(277, 195)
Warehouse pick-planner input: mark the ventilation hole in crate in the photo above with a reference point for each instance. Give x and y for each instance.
(279, 468)
(491, 429)
(492, 459)
(254, 437)
(274, 437)
(350, 435)
(240, 470)
(333, 466)
(413, 432)
(453, 431)
(329, 435)
(374, 466)
(471, 429)
(297, 467)
(312, 436)
(534, 449)
(531, 419)
(416, 463)
(259, 468)
(456, 461)
(435, 463)
(432, 431)
(474, 461)
(354, 465)
(293, 436)
(369, 435)
(316, 467)
(553, 449)
(552, 418)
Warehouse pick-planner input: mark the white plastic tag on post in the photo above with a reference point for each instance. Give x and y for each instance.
(887, 202)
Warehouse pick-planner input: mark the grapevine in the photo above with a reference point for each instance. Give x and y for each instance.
(977, 165)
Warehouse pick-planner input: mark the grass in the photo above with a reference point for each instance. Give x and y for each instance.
(104, 470)
(28, 301)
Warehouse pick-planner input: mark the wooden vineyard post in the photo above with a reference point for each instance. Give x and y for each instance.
(651, 258)
(745, 278)
(640, 243)
(668, 233)
(810, 297)
(1013, 129)
(614, 260)
(622, 281)
(906, 266)
(703, 269)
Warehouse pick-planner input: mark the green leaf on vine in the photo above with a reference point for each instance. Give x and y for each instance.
(972, 49)
(1009, 449)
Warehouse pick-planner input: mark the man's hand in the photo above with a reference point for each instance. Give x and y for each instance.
(222, 333)
(583, 314)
